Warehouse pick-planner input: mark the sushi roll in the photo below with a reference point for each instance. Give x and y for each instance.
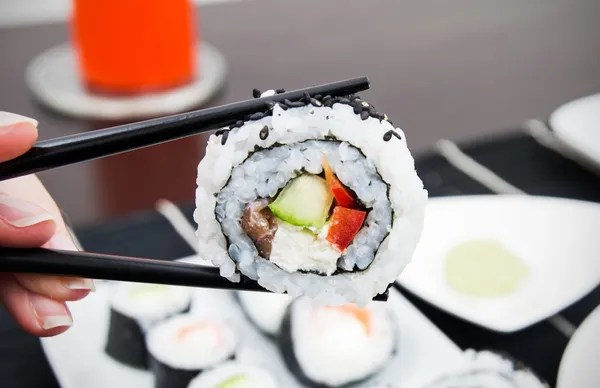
(134, 309)
(490, 370)
(318, 197)
(183, 346)
(336, 346)
(264, 310)
(234, 375)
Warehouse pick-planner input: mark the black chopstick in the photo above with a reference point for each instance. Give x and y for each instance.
(62, 151)
(122, 268)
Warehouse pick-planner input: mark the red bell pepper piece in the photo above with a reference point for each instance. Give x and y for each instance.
(345, 223)
(342, 195)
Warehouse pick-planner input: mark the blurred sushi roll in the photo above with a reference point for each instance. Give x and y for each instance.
(235, 375)
(134, 309)
(264, 310)
(490, 370)
(183, 346)
(336, 346)
(317, 197)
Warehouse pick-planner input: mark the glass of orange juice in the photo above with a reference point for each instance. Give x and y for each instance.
(134, 46)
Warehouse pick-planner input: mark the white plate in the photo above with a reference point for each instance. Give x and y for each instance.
(78, 359)
(556, 238)
(577, 125)
(579, 364)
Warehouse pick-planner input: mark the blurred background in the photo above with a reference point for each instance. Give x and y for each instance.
(472, 72)
(461, 70)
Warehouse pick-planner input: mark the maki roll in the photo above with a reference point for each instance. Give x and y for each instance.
(183, 346)
(134, 308)
(264, 310)
(490, 370)
(234, 375)
(336, 346)
(317, 198)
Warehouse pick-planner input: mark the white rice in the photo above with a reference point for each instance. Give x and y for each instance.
(162, 302)
(333, 348)
(490, 370)
(254, 376)
(391, 161)
(203, 348)
(266, 310)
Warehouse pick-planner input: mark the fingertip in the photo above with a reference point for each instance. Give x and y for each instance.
(36, 314)
(26, 237)
(56, 288)
(24, 224)
(9, 118)
(17, 135)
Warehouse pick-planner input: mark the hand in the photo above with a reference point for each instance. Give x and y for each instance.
(29, 218)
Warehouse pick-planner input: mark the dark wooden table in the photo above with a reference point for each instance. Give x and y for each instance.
(454, 69)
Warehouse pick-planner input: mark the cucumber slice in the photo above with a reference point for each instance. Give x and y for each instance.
(305, 201)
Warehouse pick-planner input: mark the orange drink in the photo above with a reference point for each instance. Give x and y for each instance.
(134, 46)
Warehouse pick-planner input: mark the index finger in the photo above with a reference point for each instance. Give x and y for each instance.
(17, 135)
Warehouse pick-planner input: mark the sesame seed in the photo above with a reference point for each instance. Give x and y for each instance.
(257, 116)
(224, 137)
(264, 133)
(387, 136)
(256, 93)
(296, 104)
(268, 93)
(364, 115)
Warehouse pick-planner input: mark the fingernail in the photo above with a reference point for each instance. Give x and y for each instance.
(7, 119)
(60, 241)
(50, 313)
(80, 284)
(21, 214)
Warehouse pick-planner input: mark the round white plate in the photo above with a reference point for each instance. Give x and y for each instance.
(556, 238)
(579, 365)
(577, 125)
(53, 78)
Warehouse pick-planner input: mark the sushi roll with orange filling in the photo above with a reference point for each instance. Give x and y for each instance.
(183, 346)
(316, 198)
(134, 309)
(336, 346)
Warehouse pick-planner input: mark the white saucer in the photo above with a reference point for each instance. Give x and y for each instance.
(579, 364)
(53, 78)
(576, 124)
(556, 238)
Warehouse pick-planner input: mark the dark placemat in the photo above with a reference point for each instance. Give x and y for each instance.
(521, 161)
(515, 157)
